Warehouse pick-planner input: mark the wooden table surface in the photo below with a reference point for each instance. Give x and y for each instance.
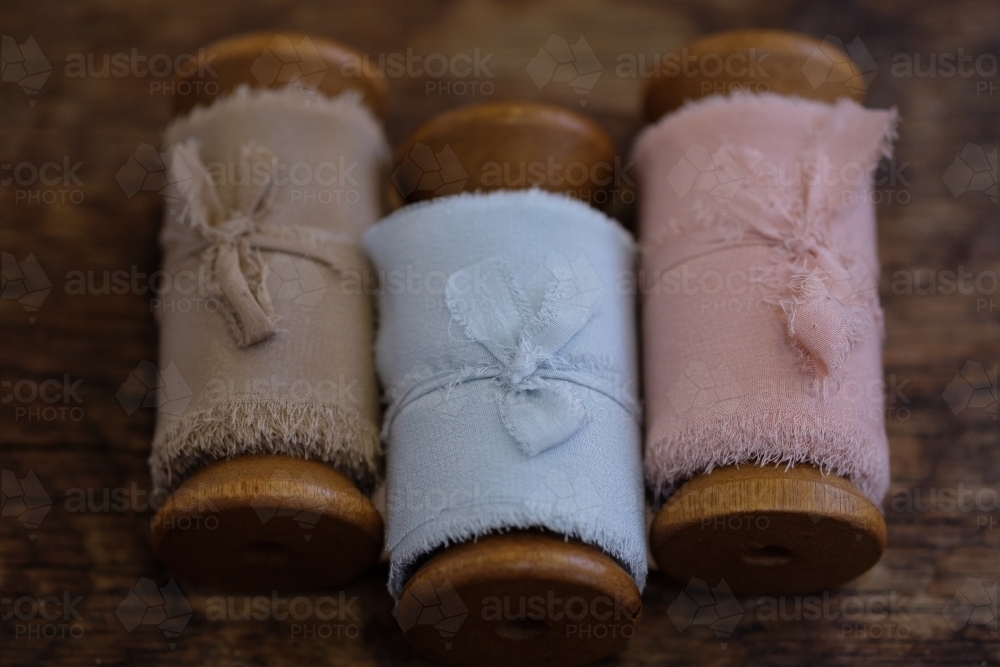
(931, 600)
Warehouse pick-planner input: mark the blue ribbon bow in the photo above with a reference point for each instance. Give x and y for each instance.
(538, 387)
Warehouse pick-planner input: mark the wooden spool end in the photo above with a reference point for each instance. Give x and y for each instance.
(273, 60)
(518, 566)
(260, 523)
(767, 530)
(505, 146)
(755, 61)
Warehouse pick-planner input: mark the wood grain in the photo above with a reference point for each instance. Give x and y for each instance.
(936, 544)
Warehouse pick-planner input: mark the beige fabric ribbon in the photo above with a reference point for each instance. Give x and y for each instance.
(230, 240)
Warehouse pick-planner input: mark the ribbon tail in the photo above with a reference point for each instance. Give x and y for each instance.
(486, 301)
(542, 417)
(823, 326)
(247, 310)
(571, 299)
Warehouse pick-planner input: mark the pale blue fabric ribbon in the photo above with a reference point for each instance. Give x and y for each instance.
(509, 360)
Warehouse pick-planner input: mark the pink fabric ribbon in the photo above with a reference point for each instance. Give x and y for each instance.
(777, 191)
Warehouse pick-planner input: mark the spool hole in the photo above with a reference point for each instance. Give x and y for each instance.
(266, 554)
(520, 630)
(768, 555)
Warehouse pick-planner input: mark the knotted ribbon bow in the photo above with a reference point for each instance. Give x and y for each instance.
(538, 387)
(828, 295)
(231, 240)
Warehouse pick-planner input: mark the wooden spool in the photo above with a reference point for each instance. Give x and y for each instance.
(517, 565)
(260, 523)
(766, 530)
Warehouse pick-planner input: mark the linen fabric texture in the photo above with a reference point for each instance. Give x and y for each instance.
(508, 357)
(265, 344)
(759, 283)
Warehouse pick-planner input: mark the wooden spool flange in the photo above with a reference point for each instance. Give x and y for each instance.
(519, 565)
(766, 530)
(259, 523)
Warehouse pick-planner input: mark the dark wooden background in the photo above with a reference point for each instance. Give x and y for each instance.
(935, 547)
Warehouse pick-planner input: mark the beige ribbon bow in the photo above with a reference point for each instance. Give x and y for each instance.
(231, 240)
